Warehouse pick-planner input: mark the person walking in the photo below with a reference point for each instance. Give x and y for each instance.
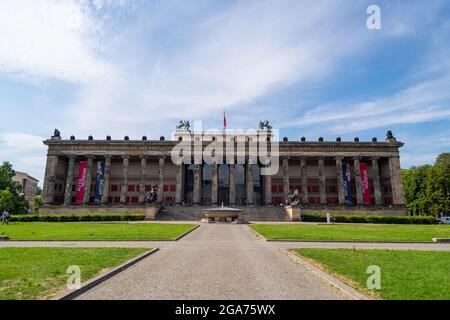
(5, 217)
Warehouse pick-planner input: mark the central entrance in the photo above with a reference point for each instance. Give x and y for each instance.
(224, 184)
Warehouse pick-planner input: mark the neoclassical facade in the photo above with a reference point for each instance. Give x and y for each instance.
(129, 169)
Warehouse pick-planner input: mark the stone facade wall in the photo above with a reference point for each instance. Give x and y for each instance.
(312, 167)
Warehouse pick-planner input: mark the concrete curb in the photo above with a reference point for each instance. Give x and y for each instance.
(71, 294)
(354, 294)
(257, 234)
(351, 241)
(187, 232)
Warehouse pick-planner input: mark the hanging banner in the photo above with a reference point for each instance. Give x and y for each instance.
(81, 181)
(347, 184)
(100, 185)
(364, 183)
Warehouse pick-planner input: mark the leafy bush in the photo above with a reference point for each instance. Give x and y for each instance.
(371, 219)
(37, 204)
(76, 217)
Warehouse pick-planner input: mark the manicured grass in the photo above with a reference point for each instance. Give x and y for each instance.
(405, 275)
(40, 273)
(92, 231)
(373, 232)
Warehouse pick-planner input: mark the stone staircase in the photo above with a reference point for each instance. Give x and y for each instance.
(174, 213)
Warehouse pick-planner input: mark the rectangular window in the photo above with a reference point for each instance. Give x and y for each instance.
(148, 188)
(114, 188)
(131, 188)
(173, 188)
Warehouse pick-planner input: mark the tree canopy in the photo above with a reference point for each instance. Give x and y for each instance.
(427, 188)
(11, 198)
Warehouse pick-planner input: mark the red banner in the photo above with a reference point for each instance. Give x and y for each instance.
(81, 181)
(364, 182)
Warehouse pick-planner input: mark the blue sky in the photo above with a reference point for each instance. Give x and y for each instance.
(135, 68)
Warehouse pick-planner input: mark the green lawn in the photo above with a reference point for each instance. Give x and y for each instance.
(405, 275)
(373, 232)
(92, 231)
(40, 273)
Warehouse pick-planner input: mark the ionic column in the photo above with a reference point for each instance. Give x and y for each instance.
(161, 178)
(124, 186)
(69, 181)
(88, 183)
(106, 188)
(340, 180)
(396, 181)
(286, 185)
(232, 184)
(376, 181)
(323, 195)
(359, 196)
(268, 189)
(142, 180)
(197, 184)
(214, 184)
(49, 180)
(304, 178)
(249, 178)
(179, 184)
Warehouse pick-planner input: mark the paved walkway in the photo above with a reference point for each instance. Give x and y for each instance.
(216, 262)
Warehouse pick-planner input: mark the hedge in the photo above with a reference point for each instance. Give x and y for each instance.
(76, 217)
(371, 219)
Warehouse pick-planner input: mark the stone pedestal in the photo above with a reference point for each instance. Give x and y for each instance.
(294, 213)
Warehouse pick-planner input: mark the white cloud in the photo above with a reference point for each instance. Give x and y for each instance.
(25, 151)
(50, 39)
(21, 140)
(425, 102)
(221, 61)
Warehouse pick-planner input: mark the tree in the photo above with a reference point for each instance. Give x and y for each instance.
(438, 185)
(10, 198)
(12, 203)
(414, 186)
(6, 174)
(427, 188)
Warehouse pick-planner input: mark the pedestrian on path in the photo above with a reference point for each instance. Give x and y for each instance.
(5, 217)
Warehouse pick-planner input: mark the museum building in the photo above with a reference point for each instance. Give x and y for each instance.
(358, 176)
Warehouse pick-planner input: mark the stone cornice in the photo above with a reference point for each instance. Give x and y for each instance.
(159, 148)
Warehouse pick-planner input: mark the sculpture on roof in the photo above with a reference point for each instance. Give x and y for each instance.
(56, 133)
(390, 136)
(184, 125)
(264, 125)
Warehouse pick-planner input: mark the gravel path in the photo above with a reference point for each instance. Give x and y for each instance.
(217, 261)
